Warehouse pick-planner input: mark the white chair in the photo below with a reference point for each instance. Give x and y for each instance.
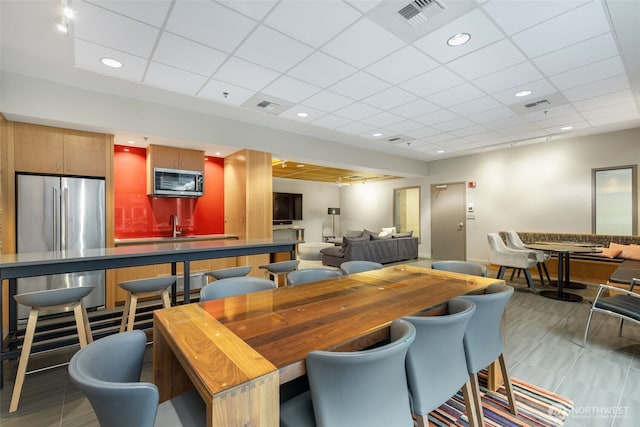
(501, 255)
(514, 242)
(38, 301)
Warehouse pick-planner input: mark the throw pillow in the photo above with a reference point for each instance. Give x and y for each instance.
(353, 233)
(404, 234)
(380, 236)
(369, 233)
(386, 230)
(608, 252)
(626, 251)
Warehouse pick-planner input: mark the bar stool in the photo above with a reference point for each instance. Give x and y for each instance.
(225, 273)
(43, 301)
(277, 271)
(159, 285)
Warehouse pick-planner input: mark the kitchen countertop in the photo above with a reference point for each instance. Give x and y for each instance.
(163, 239)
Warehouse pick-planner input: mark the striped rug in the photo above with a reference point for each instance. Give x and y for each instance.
(536, 407)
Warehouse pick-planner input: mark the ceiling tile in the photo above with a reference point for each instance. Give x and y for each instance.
(321, 70)
(390, 98)
(436, 117)
(97, 26)
(423, 132)
(253, 9)
(616, 118)
(606, 100)
(515, 16)
(415, 108)
(558, 122)
(478, 105)
(291, 89)
(272, 49)
(483, 32)
(628, 108)
(404, 126)
(356, 128)
(510, 77)
(173, 79)
(382, 119)
(153, 13)
(402, 65)
(362, 44)
(328, 101)
(245, 74)
(431, 82)
(549, 113)
(357, 111)
(456, 95)
(495, 57)
(364, 6)
(188, 55)
(292, 114)
(538, 89)
(578, 55)
(614, 84)
(360, 85)
(500, 113)
(505, 123)
(331, 121)
(589, 73)
(209, 23)
(215, 90)
(585, 22)
(88, 55)
(455, 124)
(312, 22)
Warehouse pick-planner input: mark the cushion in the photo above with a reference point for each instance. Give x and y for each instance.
(387, 230)
(627, 251)
(380, 236)
(608, 252)
(353, 233)
(404, 234)
(346, 241)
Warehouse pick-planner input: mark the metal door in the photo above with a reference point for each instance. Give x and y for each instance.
(448, 222)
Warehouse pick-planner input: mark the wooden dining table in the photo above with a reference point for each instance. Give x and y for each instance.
(237, 351)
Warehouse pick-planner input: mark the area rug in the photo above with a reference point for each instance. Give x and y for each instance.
(536, 407)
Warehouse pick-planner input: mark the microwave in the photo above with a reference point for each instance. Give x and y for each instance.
(177, 183)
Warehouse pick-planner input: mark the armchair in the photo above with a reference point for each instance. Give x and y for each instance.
(514, 242)
(501, 255)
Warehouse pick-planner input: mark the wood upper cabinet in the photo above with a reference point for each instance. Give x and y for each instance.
(160, 156)
(45, 149)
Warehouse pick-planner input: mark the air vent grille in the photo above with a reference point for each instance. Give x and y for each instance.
(412, 12)
(537, 103)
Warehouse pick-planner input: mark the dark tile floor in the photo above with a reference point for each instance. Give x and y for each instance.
(544, 347)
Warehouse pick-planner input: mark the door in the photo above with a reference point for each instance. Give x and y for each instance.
(448, 222)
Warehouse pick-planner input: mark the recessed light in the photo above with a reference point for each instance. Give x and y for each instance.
(62, 27)
(523, 93)
(217, 153)
(377, 134)
(566, 128)
(302, 114)
(68, 12)
(110, 62)
(131, 142)
(459, 39)
(440, 151)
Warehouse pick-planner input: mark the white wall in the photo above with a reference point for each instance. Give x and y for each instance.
(316, 198)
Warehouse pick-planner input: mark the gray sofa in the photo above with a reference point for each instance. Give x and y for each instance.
(371, 248)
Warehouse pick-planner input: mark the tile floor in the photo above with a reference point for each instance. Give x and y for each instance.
(543, 340)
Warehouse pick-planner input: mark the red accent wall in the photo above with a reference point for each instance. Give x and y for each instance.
(138, 215)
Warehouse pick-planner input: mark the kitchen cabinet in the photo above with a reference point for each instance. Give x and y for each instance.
(160, 156)
(45, 149)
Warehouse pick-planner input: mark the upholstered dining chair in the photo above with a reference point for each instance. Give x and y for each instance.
(483, 342)
(353, 267)
(234, 286)
(225, 273)
(359, 388)
(624, 304)
(436, 362)
(108, 371)
(464, 267)
(308, 275)
(514, 242)
(504, 257)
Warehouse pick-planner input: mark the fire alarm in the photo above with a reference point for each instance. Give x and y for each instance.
(471, 184)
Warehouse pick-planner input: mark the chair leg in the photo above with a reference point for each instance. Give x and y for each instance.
(166, 301)
(476, 403)
(125, 312)
(586, 329)
(513, 273)
(501, 271)
(131, 317)
(530, 283)
(423, 420)
(540, 273)
(24, 359)
(475, 419)
(82, 324)
(546, 272)
(507, 385)
(620, 329)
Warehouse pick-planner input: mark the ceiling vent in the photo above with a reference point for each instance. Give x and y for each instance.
(267, 104)
(396, 139)
(413, 12)
(537, 103)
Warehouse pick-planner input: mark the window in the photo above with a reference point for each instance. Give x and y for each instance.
(406, 210)
(615, 201)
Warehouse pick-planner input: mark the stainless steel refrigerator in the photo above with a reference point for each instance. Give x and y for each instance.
(60, 214)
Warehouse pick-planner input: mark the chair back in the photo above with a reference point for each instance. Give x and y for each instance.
(363, 388)
(307, 275)
(513, 240)
(483, 341)
(436, 362)
(234, 286)
(353, 267)
(108, 371)
(464, 267)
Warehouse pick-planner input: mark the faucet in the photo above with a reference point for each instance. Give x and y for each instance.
(174, 222)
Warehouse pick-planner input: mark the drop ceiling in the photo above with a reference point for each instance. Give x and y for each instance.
(357, 67)
(309, 172)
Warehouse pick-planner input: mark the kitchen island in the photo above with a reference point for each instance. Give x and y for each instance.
(14, 266)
